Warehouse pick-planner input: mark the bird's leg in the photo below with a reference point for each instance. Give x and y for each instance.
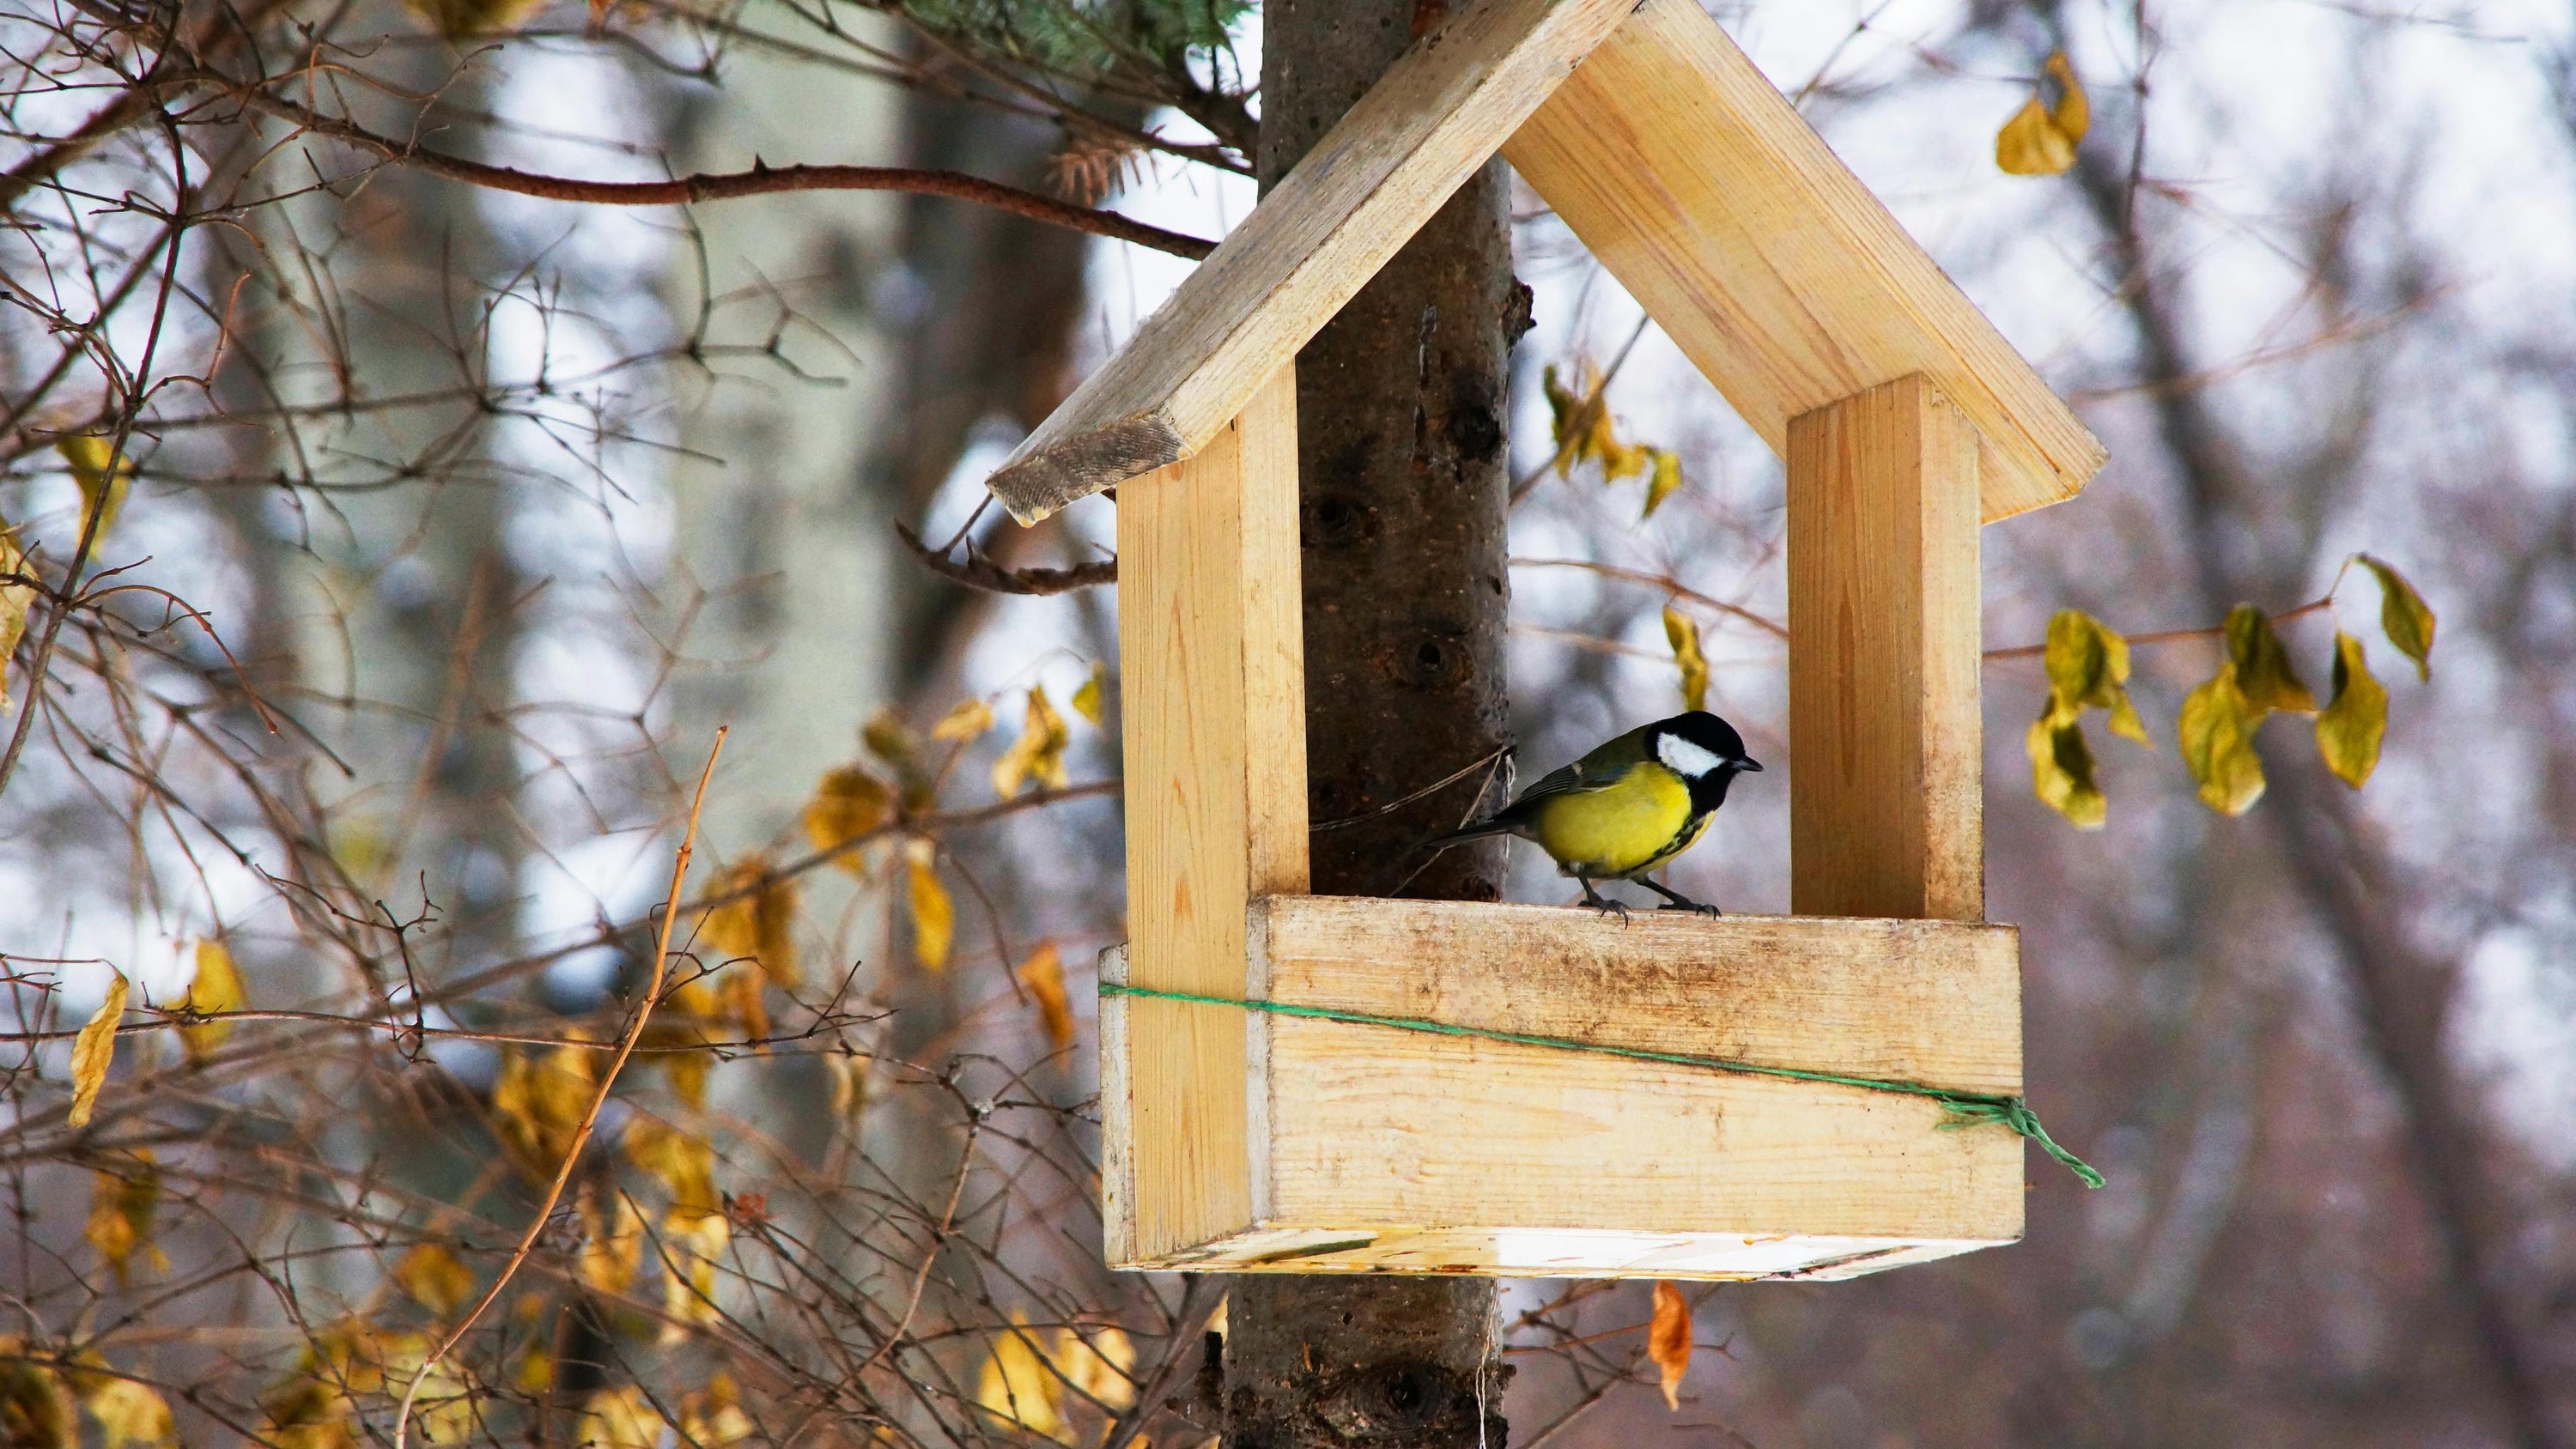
(1602, 903)
(1675, 900)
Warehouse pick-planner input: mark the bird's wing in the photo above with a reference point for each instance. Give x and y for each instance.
(1598, 770)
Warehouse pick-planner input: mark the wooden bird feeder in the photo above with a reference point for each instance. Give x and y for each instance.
(1242, 1139)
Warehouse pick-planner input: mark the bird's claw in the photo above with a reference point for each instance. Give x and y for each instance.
(1702, 908)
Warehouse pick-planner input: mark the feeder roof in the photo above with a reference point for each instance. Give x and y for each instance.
(1670, 156)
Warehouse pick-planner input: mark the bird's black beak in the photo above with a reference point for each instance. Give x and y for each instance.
(1749, 765)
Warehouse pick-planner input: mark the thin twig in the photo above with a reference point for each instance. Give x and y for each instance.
(1666, 582)
(590, 1118)
(979, 572)
(760, 180)
(2172, 636)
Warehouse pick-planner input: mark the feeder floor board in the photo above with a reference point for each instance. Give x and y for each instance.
(1369, 1148)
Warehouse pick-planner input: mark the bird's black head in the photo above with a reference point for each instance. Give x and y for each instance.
(1702, 749)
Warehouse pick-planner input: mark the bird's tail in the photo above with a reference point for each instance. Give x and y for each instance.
(1460, 836)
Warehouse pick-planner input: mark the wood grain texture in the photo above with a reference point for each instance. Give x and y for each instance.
(1215, 750)
(1567, 1253)
(1773, 268)
(1886, 812)
(1374, 1130)
(1314, 241)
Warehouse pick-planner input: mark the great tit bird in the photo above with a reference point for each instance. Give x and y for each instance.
(1627, 807)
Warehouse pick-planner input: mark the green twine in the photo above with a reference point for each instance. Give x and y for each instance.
(1967, 1109)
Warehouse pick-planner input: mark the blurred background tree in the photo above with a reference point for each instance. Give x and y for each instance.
(424, 426)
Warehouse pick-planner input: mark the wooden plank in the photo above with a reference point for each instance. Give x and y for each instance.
(1314, 241)
(1772, 267)
(1371, 1129)
(1565, 1253)
(1886, 815)
(1211, 653)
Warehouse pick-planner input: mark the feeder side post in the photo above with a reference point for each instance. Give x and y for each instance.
(1886, 814)
(1215, 758)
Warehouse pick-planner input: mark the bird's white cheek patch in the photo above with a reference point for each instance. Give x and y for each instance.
(1686, 758)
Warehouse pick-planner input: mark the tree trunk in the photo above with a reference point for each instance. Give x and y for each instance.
(1402, 504)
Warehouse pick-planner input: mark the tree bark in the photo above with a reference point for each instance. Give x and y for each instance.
(1403, 494)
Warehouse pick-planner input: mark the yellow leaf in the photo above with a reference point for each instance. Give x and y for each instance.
(435, 1278)
(743, 1002)
(1622, 460)
(692, 1245)
(1017, 1388)
(760, 922)
(1038, 754)
(682, 1162)
(964, 724)
(129, 1413)
(2403, 615)
(1098, 1365)
(2088, 667)
(1683, 632)
(2356, 718)
(1562, 407)
(712, 1417)
(934, 916)
(1091, 701)
(1668, 1340)
(15, 600)
(540, 1102)
(612, 1246)
(2040, 139)
(2263, 671)
(103, 478)
(2216, 735)
(849, 1084)
(1043, 974)
(620, 1419)
(687, 1074)
(122, 1205)
(890, 739)
(848, 803)
(2061, 772)
(35, 1409)
(459, 19)
(216, 988)
(94, 1048)
(1664, 482)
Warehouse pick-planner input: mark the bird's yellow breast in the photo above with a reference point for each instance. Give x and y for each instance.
(1625, 827)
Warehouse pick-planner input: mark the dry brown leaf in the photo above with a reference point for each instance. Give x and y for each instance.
(1668, 1340)
(94, 1048)
(215, 989)
(1043, 974)
(1683, 631)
